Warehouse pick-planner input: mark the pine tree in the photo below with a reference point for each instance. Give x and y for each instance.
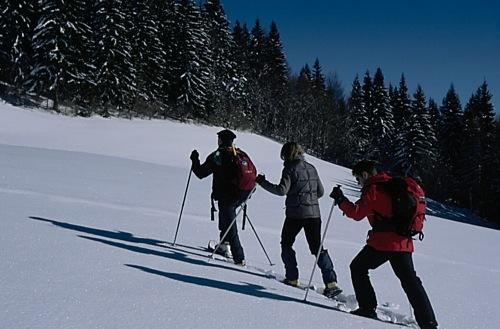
(489, 164)
(450, 139)
(402, 105)
(115, 72)
(434, 116)
(223, 79)
(300, 115)
(470, 162)
(276, 71)
(192, 61)
(382, 123)
(59, 41)
(259, 90)
(276, 80)
(16, 27)
(367, 90)
(337, 143)
(147, 55)
(257, 53)
(359, 122)
(415, 153)
(168, 30)
(320, 111)
(241, 54)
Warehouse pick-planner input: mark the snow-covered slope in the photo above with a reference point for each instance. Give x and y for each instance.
(86, 205)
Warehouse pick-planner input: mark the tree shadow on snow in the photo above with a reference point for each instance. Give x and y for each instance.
(457, 214)
(173, 253)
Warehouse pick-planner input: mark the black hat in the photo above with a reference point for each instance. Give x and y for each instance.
(226, 136)
(364, 165)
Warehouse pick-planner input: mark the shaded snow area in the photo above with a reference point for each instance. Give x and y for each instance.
(88, 207)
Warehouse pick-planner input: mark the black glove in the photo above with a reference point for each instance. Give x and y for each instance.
(337, 195)
(194, 156)
(260, 178)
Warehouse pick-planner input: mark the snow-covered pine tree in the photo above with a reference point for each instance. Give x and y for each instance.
(450, 138)
(470, 161)
(415, 155)
(168, 30)
(382, 121)
(192, 61)
(358, 122)
(303, 101)
(276, 70)
(17, 20)
(241, 51)
(60, 39)
(428, 144)
(115, 72)
(148, 55)
(489, 164)
(367, 91)
(402, 104)
(258, 89)
(257, 52)
(338, 144)
(401, 108)
(434, 116)
(320, 111)
(276, 77)
(225, 81)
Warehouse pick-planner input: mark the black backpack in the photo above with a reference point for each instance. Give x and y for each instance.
(408, 208)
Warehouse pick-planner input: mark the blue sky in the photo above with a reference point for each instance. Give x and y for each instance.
(435, 43)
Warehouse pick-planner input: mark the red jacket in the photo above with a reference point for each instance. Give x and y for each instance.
(372, 201)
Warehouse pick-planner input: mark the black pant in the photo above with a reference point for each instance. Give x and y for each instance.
(312, 229)
(227, 213)
(402, 265)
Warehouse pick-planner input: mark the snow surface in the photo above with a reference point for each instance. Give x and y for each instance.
(87, 204)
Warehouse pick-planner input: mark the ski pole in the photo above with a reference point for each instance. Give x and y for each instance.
(213, 210)
(243, 204)
(182, 207)
(258, 239)
(244, 218)
(319, 251)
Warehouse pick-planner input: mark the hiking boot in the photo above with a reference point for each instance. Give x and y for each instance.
(224, 250)
(430, 325)
(241, 263)
(332, 290)
(293, 283)
(366, 312)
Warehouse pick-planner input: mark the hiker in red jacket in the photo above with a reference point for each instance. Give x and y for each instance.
(381, 246)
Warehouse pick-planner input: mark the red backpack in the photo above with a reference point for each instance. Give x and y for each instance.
(408, 207)
(245, 170)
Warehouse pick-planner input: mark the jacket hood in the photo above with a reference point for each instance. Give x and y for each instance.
(294, 161)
